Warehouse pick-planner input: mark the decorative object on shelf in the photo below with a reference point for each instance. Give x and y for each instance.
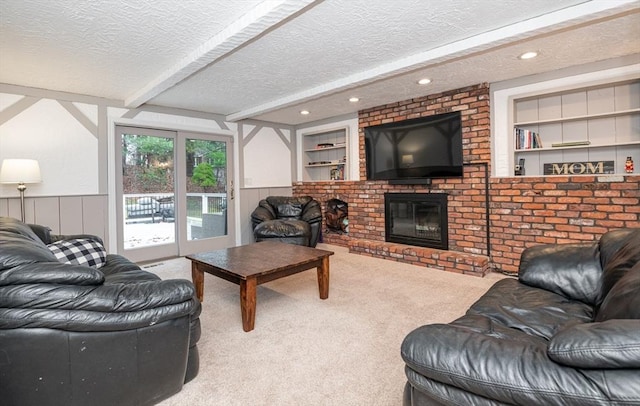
(579, 168)
(570, 144)
(337, 173)
(519, 169)
(628, 165)
(20, 171)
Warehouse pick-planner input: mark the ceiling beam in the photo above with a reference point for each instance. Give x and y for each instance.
(519, 31)
(259, 20)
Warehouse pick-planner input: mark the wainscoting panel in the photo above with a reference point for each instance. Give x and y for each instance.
(63, 214)
(47, 212)
(71, 215)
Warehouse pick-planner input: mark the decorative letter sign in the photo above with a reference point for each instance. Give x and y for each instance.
(579, 168)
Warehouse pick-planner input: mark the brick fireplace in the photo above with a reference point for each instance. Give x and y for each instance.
(489, 222)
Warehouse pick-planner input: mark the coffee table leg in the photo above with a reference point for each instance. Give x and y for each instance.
(323, 278)
(197, 276)
(248, 303)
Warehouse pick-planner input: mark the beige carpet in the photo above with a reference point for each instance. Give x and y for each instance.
(305, 351)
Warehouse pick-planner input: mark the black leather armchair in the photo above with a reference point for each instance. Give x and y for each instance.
(79, 335)
(566, 332)
(293, 220)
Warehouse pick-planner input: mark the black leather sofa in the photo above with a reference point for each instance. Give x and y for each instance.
(565, 332)
(79, 335)
(292, 220)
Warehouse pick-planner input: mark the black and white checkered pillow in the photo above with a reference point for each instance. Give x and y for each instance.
(81, 251)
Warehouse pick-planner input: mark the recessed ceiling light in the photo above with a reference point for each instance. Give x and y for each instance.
(528, 55)
(354, 99)
(304, 112)
(424, 81)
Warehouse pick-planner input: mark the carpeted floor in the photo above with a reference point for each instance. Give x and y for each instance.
(305, 351)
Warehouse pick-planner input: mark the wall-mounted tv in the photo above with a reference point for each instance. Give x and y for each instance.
(415, 151)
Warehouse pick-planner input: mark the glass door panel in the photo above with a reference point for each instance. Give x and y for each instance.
(205, 160)
(206, 174)
(147, 194)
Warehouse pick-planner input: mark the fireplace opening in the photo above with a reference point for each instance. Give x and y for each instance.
(419, 219)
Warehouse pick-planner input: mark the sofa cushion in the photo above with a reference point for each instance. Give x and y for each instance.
(556, 268)
(20, 245)
(81, 251)
(611, 242)
(618, 264)
(288, 207)
(623, 300)
(611, 344)
(534, 312)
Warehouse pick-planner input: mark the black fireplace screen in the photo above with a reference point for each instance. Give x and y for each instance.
(417, 219)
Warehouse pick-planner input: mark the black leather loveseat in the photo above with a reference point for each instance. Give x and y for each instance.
(566, 332)
(89, 335)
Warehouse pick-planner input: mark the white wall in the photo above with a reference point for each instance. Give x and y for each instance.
(267, 155)
(56, 136)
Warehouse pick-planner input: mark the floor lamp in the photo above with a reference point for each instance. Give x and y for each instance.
(20, 171)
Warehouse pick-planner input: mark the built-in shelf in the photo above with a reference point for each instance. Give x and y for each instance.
(602, 122)
(328, 147)
(620, 144)
(342, 147)
(578, 118)
(330, 164)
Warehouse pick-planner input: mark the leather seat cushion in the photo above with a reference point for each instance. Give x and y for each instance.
(283, 228)
(288, 231)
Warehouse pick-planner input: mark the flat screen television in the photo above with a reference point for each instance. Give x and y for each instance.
(415, 151)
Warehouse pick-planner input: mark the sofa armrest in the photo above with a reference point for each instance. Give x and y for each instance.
(611, 344)
(108, 307)
(43, 232)
(571, 270)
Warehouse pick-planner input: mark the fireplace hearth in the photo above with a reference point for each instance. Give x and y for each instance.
(418, 219)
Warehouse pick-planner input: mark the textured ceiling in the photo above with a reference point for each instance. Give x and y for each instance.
(270, 59)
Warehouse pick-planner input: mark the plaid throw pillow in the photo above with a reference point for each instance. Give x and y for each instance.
(81, 251)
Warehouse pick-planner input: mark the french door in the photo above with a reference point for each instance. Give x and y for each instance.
(172, 192)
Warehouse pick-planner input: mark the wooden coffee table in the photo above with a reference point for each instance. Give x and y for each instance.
(255, 264)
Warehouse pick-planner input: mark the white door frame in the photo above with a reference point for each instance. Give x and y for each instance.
(113, 121)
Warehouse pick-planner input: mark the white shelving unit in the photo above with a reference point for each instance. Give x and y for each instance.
(325, 155)
(605, 117)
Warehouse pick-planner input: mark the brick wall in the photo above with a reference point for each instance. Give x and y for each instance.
(526, 211)
(523, 211)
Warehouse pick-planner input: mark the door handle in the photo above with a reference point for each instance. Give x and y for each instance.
(233, 193)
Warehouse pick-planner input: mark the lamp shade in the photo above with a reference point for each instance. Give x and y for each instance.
(20, 171)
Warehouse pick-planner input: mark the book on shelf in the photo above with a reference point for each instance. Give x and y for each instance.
(324, 145)
(526, 139)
